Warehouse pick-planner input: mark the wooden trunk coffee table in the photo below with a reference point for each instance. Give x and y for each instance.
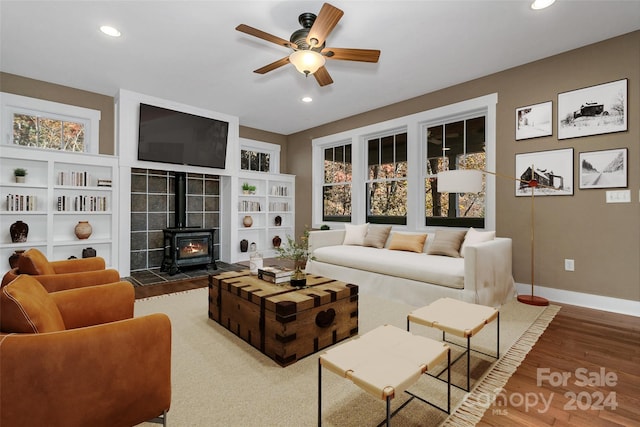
(281, 321)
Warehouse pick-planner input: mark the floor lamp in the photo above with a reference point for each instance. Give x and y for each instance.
(470, 181)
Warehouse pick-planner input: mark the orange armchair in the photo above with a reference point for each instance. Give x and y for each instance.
(79, 358)
(60, 275)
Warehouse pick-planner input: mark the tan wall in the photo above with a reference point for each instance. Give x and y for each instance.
(273, 138)
(603, 239)
(24, 86)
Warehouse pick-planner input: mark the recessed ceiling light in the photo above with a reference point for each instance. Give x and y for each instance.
(110, 31)
(541, 4)
(307, 99)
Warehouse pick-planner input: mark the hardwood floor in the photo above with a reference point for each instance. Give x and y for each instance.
(586, 358)
(167, 288)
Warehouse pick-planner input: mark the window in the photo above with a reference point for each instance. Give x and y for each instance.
(453, 145)
(33, 130)
(259, 156)
(254, 161)
(336, 189)
(385, 172)
(386, 183)
(50, 125)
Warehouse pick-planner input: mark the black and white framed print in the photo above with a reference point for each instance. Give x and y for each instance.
(593, 110)
(534, 121)
(553, 171)
(604, 169)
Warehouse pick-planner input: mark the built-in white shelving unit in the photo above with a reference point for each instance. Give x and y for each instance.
(273, 197)
(63, 188)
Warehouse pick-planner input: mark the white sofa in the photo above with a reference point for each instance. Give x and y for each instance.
(482, 276)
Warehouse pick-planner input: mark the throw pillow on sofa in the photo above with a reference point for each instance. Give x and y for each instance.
(407, 242)
(377, 236)
(354, 234)
(475, 236)
(447, 243)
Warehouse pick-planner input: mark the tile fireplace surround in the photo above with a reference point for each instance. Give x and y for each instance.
(153, 209)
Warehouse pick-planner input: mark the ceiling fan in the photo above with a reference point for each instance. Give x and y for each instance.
(308, 45)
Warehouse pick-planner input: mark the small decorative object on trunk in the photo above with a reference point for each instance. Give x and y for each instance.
(276, 241)
(255, 262)
(88, 253)
(19, 174)
(278, 220)
(298, 252)
(247, 221)
(13, 258)
(299, 278)
(244, 245)
(83, 230)
(19, 231)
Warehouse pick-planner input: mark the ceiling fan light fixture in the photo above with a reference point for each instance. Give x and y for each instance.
(307, 61)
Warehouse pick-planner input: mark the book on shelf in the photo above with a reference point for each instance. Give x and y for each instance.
(274, 272)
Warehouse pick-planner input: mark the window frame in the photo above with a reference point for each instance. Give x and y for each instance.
(344, 218)
(384, 219)
(11, 104)
(273, 150)
(415, 125)
(456, 221)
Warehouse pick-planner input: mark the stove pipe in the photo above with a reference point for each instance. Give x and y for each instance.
(181, 199)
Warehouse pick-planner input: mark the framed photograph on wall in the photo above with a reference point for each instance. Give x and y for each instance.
(593, 110)
(603, 169)
(534, 121)
(552, 169)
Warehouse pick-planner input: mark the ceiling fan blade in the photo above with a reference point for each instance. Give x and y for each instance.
(265, 36)
(346, 54)
(277, 64)
(325, 22)
(322, 77)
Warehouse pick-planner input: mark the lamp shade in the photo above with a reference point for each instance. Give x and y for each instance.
(460, 181)
(307, 61)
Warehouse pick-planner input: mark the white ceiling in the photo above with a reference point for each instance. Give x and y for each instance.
(189, 52)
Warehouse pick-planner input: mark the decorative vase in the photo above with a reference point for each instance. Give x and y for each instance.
(88, 253)
(13, 258)
(20, 179)
(278, 220)
(19, 231)
(253, 247)
(299, 278)
(244, 245)
(276, 241)
(83, 230)
(247, 221)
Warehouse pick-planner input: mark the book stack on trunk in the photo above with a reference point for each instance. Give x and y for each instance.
(275, 274)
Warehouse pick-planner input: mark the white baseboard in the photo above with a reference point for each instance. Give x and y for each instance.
(597, 302)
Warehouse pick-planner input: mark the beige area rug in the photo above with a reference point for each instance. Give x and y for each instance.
(220, 380)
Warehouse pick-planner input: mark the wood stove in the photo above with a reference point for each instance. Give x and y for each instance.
(187, 246)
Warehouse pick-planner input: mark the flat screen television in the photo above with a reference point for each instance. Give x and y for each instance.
(170, 136)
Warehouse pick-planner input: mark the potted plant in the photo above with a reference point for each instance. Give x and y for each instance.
(298, 252)
(19, 174)
(248, 188)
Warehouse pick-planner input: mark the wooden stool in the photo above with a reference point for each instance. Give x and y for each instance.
(383, 362)
(459, 318)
